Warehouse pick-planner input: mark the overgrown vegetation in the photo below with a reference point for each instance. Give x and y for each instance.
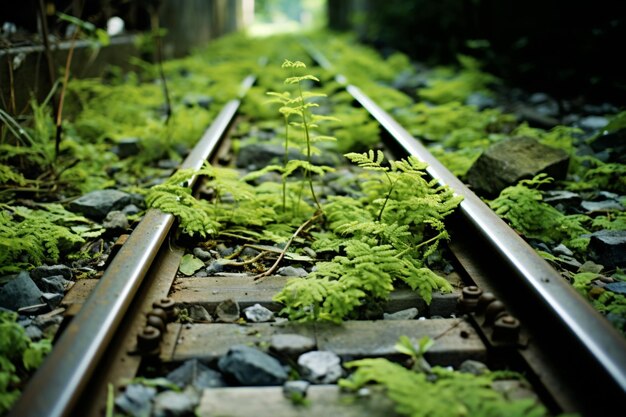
(18, 357)
(435, 391)
(438, 113)
(34, 237)
(372, 242)
(386, 236)
(522, 207)
(445, 85)
(234, 202)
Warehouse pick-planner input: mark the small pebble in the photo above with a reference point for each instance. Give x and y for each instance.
(298, 387)
(320, 366)
(408, 314)
(258, 314)
(227, 311)
(290, 271)
(201, 254)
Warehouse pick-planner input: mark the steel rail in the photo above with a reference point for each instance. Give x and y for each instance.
(569, 312)
(58, 384)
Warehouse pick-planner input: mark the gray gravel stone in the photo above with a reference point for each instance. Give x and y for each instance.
(56, 284)
(224, 250)
(506, 162)
(291, 344)
(20, 292)
(49, 271)
(97, 204)
(612, 144)
(200, 100)
(51, 299)
(608, 248)
(290, 271)
(473, 367)
(126, 147)
(176, 404)
(565, 199)
(250, 366)
(593, 122)
(202, 254)
(34, 333)
(249, 252)
(195, 373)
(168, 164)
(257, 155)
(562, 250)
(590, 266)
(296, 389)
(570, 263)
(215, 267)
(606, 205)
(115, 220)
(408, 314)
(199, 314)
(618, 287)
(131, 210)
(258, 314)
(480, 100)
(136, 400)
(320, 367)
(227, 311)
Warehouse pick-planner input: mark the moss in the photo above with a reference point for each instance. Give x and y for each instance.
(446, 85)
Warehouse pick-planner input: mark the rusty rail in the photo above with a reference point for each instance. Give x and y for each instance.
(547, 302)
(58, 384)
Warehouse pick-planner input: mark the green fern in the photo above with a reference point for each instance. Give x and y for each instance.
(18, 354)
(174, 197)
(32, 237)
(604, 176)
(8, 175)
(521, 205)
(436, 392)
(385, 244)
(445, 85)
(234, 202)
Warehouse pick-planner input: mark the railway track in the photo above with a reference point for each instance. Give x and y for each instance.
(510, 309)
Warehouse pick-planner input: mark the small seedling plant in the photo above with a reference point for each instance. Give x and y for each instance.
(298, 106)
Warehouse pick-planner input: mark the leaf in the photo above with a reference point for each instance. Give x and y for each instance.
(292, 256)
(189, 264)
(405, 346)
(34, 355)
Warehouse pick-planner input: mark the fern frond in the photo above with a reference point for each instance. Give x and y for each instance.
(296, 80)
(311, 94)
(32, 237)
(325, 118)
(326, 242)
(293, 64)
(322, 138)
(9, 175)
(251, 176)
(296, 164)
(445, 394)
(368, 160)
(174, 197)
